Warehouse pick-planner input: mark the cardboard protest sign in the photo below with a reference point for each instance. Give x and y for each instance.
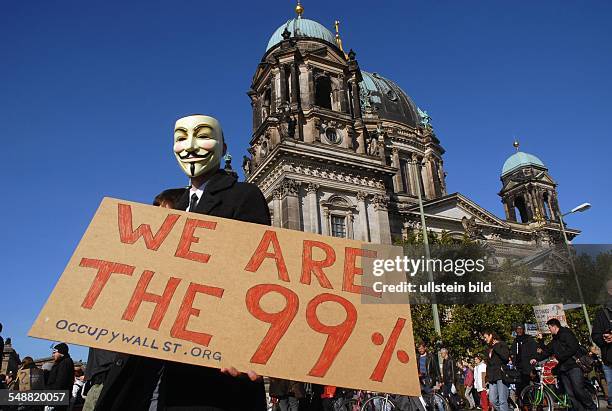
(215, 292)
(545, 312)
(531, 329)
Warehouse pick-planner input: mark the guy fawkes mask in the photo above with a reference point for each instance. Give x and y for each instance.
(198, 144)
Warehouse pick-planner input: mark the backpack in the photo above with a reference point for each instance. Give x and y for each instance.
(584, 360)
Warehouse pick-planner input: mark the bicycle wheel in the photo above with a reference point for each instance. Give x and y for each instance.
(593, 393)
(534, 397)
(378, 403)
(440, 403)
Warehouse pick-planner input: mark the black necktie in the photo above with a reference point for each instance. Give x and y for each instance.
(194, 202)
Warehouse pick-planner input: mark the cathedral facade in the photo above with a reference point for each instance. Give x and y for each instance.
(341, 151)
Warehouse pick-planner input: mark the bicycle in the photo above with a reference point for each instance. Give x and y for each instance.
(543, 397)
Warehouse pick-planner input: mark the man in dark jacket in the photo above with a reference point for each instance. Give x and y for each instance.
(61, 375)
(522, 351)
(449, 378)
(139, 383)
(602, 336)
(564, 346)
(429, 370)
(99, 362)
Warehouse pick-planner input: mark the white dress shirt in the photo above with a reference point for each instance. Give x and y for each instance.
(197, 191)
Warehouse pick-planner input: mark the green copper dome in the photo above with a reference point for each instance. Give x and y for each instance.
(389, 100)
(520, 159)
(300, 27)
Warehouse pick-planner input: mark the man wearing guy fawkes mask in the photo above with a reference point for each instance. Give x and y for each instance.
(140, 383)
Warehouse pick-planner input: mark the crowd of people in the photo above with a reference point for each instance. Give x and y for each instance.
(485, 381)
(489, 380)
(60, 374)
(115, 381)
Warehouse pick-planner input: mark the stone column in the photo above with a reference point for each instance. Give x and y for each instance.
(342, 94)
(311, 89)
(364, 234)
(290, 205)
(511, 209)
(325, 229)
(283, 81)
(442, 178)
(311, 198)
(428, 180)
(356, 102)
(398, 185)
(276, 206)
(295, 84)
(382, 219)
(273, 92)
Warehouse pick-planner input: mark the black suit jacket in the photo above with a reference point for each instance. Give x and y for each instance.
(132, 380)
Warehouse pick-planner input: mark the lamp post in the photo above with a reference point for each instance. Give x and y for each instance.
(582, 207)
(434, 305)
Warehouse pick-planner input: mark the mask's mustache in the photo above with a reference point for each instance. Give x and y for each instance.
(193, 155)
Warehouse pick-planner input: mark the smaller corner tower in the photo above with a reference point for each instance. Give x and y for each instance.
(528, 191)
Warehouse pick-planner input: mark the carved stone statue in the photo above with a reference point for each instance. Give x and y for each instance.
(373, 146)
(246, 165)
(425, 118)
(471, 228)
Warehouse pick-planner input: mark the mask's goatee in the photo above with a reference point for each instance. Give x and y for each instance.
(192, 167)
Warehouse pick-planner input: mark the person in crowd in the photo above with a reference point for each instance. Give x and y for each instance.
(139, 383)
(564, 346)
(497, 358)
(602, 336)
(61, 376)
(169, 198)
(480, 382)
(287, 392)
(99, 363)
(449, 378)
(327, 397)
(30, 376)
(523, 349)
(2, 381)
(12, 383)
(468, 383)
(429, 370)
(76, 400)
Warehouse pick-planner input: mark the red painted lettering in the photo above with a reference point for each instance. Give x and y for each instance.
(179, 329)
(310, 266)
(162, 302)
(351, 270)
(261, 253)
(105, 269)
(187, 238)
(127, 234)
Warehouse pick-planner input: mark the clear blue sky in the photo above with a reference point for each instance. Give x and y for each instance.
(89, 92)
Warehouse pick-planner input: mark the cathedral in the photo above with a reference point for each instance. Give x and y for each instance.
(345, 152)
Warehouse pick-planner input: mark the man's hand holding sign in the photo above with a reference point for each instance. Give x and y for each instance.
(213, 292)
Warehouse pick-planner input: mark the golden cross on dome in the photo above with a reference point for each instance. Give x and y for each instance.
(338, 39)
(299, 9)
(516, 144)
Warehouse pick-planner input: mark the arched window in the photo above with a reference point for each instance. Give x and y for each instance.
(519, 203)
(323, 89)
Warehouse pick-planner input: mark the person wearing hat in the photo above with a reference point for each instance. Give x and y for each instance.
(61, 376)
(523, 349)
